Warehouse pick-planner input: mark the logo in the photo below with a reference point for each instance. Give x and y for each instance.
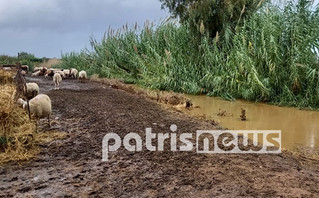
(238, 141)
(207, 141)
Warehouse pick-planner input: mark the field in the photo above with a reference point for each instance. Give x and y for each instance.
(72, 166)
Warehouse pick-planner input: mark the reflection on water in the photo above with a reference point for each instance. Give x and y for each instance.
(298, 127)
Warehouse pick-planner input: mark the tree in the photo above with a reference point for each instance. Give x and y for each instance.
(25, 55)
(211, 16)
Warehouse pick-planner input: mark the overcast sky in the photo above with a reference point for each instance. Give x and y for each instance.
(46, 28)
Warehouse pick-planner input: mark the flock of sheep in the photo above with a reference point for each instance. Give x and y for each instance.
(39, 105)
(59, 74)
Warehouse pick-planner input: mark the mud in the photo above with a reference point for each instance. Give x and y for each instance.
(72, 167)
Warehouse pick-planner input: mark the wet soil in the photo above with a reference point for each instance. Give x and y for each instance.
(72, 167)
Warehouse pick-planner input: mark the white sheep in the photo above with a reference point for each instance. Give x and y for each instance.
(23, 72)
(36, 69)
(61, 73)
(25, 68)
(32, 90)
(49, 72)
(73, 73)
(40, 106)
(66, 72)
(37, 73)
(43, 71)
(57, 80)
(82, 76)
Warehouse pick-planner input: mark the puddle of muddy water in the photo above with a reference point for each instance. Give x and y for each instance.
(298, 127)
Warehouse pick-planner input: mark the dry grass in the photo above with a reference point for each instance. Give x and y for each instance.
(17, 132)
(18, 139)
(165, 97)
(49, 136)
(114, 83)
(306, 156)
(6, 77)
(307, 153)
(50, 63)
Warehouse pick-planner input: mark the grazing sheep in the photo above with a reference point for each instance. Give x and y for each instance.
(61, 73)
(50, 73)
(23, 72)
(37, 73)
(40, 106)
(32, 90)
(43, 71)
(7, 68)
(66, 72)
(40, 72)
(57, 80)
(36, 69)
(82, 76)
(25, 68)
(73, 73)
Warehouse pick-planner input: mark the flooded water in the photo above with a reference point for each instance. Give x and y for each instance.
(298, 127)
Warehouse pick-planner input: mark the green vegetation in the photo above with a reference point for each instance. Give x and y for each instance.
(211, 16)
(24, 57)
(270, 56)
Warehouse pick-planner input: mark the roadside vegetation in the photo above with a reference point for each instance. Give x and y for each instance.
(265, 53)
(25, 58)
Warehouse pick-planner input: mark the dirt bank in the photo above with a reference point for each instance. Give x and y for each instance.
(72, 167)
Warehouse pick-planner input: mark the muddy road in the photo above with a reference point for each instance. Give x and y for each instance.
(72, 167)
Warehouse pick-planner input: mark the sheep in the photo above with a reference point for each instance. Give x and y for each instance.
(61, 73)
(82, 76)
(50, 73)
(73, 73)
(57, 80)
(43, 71)
(40, 72)
(37, 73)
(66, 72)
(36, 69)
(32, 90)
(23, 72)
(40, 106)
(25, 68)
(7, 68)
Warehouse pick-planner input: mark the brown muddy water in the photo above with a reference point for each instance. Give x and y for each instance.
(298, 127)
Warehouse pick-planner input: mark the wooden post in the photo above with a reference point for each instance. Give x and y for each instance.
(21, 84)
(29, 109)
